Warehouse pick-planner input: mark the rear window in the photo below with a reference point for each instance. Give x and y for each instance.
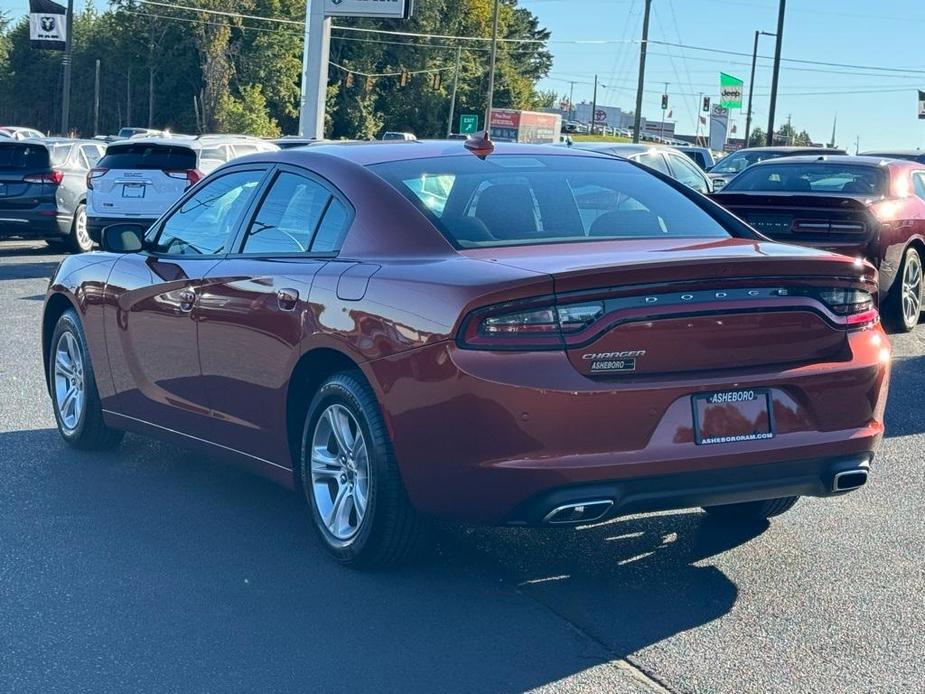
(509, 200)
(148, 156)
(811, 178)
(23, 156)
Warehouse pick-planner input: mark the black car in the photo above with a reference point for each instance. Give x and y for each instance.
(43, 189)
(730, 166)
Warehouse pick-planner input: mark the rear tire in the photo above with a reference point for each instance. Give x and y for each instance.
(904, 303)
(752, 511)
(72, 385)
(346, 454)
(79, 240)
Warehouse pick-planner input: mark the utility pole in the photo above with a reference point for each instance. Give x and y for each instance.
(96, 99)
(776, 77)
(642, 71)
(571, 101)
(66, 64)
(834, 128)
(491, 69)
(751, 85)
(128, 97)
(857, 145)
(594, 106)
(449, 124)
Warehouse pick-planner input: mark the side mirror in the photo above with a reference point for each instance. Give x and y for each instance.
(123, 238)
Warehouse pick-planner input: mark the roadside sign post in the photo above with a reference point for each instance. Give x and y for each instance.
(468, 124)
(317, 51)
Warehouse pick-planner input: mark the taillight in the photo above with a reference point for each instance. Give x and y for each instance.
(537, 324)
(192, 176)
(854, 306)
(93, 174)
(54, 177)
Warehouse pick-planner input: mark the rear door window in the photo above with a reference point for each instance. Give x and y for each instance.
(91, 155)
(918, 182)
(148, 156)
(288, 216)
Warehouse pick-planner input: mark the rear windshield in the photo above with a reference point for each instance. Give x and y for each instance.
(509, 200)
(24, 156)
(148, 156)
(734, 163)
(811, 178)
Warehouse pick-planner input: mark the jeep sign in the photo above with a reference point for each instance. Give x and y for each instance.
(384, 9)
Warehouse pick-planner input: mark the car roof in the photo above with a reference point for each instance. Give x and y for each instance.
(622, 147)
(807, 150)
(380, 152)
(840, 159)
(897, 152)
(191, 141)
(56, 141)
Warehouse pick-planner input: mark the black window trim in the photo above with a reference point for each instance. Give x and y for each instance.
(157, 228)
(250, 215)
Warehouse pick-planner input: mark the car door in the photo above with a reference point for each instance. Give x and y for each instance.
(152, 329)
(685, 171)
(253, 309)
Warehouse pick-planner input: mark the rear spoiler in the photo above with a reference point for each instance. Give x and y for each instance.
(841, 201)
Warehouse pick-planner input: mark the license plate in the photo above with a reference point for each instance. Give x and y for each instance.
(133, 190)
(733, 416)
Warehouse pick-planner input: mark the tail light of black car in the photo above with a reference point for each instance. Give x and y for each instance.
(544, 323)
(53, 177)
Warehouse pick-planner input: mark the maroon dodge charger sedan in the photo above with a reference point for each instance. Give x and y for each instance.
(507, 335)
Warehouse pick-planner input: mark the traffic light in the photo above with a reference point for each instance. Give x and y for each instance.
(404, 79)
(664, 102)
(706, 104)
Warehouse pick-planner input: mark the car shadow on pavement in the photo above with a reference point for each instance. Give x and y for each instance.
(631, 582)
(906, 418)
(150, 568)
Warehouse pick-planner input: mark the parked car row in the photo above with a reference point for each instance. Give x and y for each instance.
(64, 190)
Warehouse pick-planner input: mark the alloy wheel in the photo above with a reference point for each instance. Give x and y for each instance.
(70, 387)
(84, 242)
(340, 472)
(912, 289)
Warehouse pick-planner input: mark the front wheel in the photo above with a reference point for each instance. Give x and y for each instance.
(72, 384)
(79, 240)
(752, 511)
(906, 298)
(358, 503)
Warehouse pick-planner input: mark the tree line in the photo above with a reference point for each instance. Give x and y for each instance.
(197, 71)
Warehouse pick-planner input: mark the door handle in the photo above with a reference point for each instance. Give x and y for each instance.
(187, 299)
(287, 299)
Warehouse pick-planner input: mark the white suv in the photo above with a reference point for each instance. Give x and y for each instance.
(138, 180)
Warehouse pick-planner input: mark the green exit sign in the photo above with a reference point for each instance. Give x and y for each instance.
(468, 124)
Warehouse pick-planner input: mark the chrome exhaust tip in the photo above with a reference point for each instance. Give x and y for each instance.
(578, 513)
(850, 480)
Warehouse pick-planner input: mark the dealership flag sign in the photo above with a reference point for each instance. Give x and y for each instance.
(47, 25)
(730, 89)
(921, 105)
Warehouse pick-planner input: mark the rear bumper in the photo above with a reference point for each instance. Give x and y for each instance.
(479, 436)
(41, 222)
(95, 225)
(699, 488)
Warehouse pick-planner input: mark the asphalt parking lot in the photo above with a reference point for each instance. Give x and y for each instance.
(150, 569)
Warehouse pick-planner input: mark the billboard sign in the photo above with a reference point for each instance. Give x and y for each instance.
(731, 89)
(383, 9)
(719, 126)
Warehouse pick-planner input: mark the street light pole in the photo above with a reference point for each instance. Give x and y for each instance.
(637, 122)
(449, 124)
(594, 106)
(491, 69)
(751, 85)
(68, 51)
(774, 80)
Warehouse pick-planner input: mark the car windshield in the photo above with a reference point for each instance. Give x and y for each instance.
(740, 161)
(509, 200)
(148, 156)
(814, 177)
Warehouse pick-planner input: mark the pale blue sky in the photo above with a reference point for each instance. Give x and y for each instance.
(877, 105)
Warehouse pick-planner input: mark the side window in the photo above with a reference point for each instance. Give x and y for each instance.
(333, 228)
(918, 182)
(288, 217)
(687, 173)
(654, 160)
(204, 224)
(210, 158)
(90, 155)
